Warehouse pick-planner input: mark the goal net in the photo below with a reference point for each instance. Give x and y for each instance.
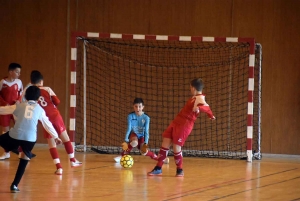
(111, 71)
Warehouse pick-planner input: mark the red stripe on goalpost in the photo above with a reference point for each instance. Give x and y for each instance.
(249, 143)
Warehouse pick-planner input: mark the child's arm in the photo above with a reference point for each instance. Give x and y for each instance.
(202, 106)
(54, 98)
(128, 128)
(207, 110)
(4, 110)
(146, 133)
(2, 101)
(20, 95)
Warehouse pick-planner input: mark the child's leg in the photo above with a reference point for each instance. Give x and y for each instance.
(25, 157)
(178, 156)
(54, 153)
(163, 152)
(147, 152)
(133, 143)
(69, 148)
(6, 154)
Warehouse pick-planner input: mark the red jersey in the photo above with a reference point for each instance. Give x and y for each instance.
(10, 92)
(48, 101)
(189, 113)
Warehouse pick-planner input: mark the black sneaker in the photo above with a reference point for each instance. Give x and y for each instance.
(14, 189)
(33, 155)
(179, 173)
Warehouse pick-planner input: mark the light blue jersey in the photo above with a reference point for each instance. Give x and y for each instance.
(138, 125)
(27, 115)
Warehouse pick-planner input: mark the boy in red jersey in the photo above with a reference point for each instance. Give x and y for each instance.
(48, 101)
(181, 127)
(11, 89)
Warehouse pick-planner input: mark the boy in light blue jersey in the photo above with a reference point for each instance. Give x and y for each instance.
(137, 134)
(24, 132)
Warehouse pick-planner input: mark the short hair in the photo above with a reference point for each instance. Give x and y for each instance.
(36, 76)
(13, 66)
(138, 100)
(32, 93)
(197, 83)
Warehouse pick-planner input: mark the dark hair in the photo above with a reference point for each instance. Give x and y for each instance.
(32, 93)
(35, 77)
(138, 100)
(13, 66)
(197, 83)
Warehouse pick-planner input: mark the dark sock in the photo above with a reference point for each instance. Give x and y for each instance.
(20, 171)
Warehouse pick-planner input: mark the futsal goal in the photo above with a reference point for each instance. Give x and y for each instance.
(109, 70)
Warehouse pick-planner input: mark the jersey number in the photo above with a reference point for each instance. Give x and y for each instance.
(28, 112)
(42, 101)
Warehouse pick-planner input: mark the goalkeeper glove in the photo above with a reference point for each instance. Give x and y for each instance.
(144, 149)
(124, 146)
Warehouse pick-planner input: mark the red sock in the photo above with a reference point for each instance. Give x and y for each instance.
(20, 149)
(127, 150)
(54, 154)
(70, 151)
(178, 159)
(152, 155)
(163, 152)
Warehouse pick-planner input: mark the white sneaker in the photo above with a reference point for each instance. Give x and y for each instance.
(117, 159)
(5, 155)
(76, 163)
(166, 161)
(59, 171)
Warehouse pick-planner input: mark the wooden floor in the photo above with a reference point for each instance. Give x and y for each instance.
(101, 179)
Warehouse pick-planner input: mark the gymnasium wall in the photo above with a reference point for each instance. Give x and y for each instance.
(36, 34)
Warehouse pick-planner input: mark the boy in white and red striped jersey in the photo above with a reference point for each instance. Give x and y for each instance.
(11, 89)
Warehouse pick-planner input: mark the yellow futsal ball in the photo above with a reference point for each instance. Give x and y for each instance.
(126, 161)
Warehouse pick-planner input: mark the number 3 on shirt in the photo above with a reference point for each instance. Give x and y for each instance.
(28, 112)
(42, 101)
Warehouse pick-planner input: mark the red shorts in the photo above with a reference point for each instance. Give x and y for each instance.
(5, 120)
(178, 133)
(140, 140)
(58, 124)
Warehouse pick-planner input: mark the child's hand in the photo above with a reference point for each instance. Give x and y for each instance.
(124, 146)
(17, 102)
(196, 110)
(213, 118)
(144, 149)
(57, 141)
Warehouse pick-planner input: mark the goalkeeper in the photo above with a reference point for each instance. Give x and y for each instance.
(137, 134)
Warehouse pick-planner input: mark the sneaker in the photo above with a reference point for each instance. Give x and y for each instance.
(33, 155)
(14, 189)
(166, 161)
(5, 155)
(155, 172)
(76, 163)
(117, 159)
(179, 173)
(59, 171)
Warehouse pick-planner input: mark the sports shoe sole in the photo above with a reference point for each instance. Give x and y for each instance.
(152, 174)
